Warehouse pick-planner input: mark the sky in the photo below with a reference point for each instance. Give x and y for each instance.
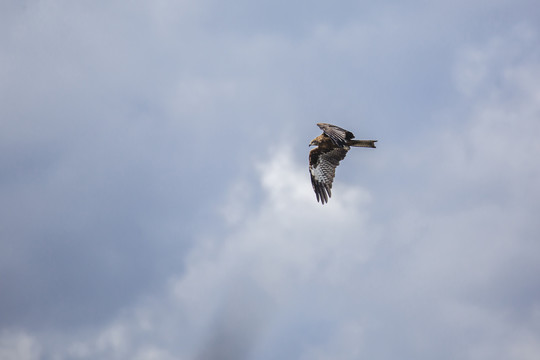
(156, 201)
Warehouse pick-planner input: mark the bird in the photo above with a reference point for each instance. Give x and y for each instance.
(332, 146)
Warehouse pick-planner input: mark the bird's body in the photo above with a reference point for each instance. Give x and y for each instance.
(332, 146)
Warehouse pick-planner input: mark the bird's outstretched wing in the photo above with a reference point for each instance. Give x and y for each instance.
(338, 135)
(322, 167)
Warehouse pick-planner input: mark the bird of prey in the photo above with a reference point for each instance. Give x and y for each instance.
(332, 146)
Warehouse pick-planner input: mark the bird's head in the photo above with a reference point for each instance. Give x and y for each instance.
(314, 142)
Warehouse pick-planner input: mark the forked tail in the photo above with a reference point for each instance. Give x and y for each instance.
(362, 143)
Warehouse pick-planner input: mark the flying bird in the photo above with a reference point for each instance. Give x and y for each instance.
(332, 146)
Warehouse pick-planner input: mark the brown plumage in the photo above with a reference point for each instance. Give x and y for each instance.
(332, 146)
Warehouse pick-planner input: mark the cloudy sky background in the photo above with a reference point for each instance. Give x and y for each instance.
(156, 203)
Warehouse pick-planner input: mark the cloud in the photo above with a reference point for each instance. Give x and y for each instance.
(233, 287)
(293, 278)
(18, 345)
(157, 204)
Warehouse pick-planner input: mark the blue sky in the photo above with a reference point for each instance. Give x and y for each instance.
(156, 202)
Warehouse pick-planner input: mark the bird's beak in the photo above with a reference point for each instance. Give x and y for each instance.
(311, 143)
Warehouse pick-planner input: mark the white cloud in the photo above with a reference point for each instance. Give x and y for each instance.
(497, 144)
(236, 288)
(18, 346)
(278, 250)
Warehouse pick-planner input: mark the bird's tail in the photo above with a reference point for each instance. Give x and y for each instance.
(362, 143)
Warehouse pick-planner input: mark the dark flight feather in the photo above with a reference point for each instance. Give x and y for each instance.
(322, 166)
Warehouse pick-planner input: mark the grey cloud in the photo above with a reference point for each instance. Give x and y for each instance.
(124, 128)
(239, 322)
